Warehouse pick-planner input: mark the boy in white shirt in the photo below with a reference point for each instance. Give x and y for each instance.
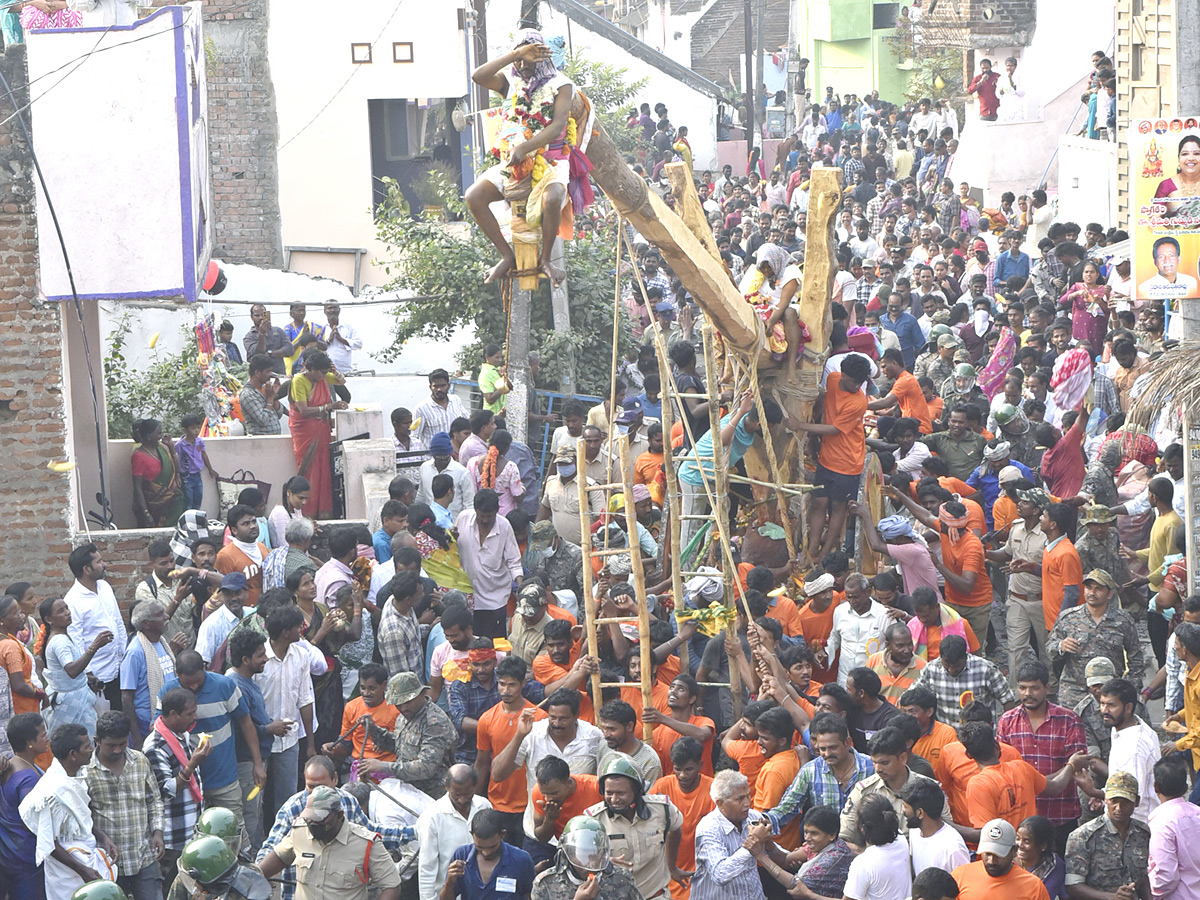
(931, 841)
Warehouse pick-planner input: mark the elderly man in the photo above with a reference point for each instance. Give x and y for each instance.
(1109, 855)
(424, 739)
(445, 826)
(730, 842)
(149, 662)
(491, 559)
(1097, 628)
(336, 855)
(320, 772)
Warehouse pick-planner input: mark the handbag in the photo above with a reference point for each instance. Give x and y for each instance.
(229, 488)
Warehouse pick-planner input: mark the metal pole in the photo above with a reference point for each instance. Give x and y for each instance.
(748, 24)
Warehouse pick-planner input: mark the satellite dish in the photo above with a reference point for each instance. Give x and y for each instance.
(458, 116)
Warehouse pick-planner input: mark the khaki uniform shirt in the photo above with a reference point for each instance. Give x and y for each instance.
(332, 870)
(1028, 545)
(646, 759)
(642, 841)
(563, 502)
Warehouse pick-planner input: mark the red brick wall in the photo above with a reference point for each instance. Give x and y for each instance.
(32, 415)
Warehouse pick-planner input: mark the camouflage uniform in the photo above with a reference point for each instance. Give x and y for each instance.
(1022, 447)
(1115, 636)
(1098, 482)
(1095, 732)
(932, 366)
(424, 748)
(1106, 556)
(1097, 855)
(555, 884)
(975, 397)
(562, 571)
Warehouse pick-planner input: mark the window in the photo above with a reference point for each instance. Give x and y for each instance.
(410, 139)
(412, 128)
(885, 15)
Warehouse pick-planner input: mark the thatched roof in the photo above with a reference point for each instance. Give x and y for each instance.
(1173, 382)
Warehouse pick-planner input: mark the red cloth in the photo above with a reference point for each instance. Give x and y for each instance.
(314, 432)
(1063, 466)
(984, 87)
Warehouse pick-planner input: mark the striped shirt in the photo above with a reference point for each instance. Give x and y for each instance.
(816, 785)
(894, 686)
(435, 419)
(180, 808)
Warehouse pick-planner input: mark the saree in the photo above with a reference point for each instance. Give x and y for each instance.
(991, 377)
(164, 494)
(310, 444)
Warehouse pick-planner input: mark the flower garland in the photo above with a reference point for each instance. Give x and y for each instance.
(527, 121)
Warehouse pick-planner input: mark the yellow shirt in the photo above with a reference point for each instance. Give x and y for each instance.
(1162, 543)
(1191, 712)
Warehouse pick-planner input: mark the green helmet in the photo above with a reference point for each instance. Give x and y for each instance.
(621, 764)
(205, 859)
(937, 331)
(98, 890)
(585, 844)
(1005, 413)
(964, 370)
(219, 821)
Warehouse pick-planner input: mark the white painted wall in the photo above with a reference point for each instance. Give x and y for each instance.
(325, 164)
(125, 156)
(998, 156)
(1087, 188)
(687, 107)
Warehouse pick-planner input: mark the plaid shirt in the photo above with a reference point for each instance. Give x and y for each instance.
(816, 785)
(852, 167)
(863, 289)
(949, 212)
(128, 808)
(979, 677)
(393, 837)
(874, 212)
(1047, 750)
(470, 700)
(259, 416)
(1104, 393)
(180, 808)
(400, 642)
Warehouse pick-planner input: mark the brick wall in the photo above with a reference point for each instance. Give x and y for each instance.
(243, 133)
(719, 38)
(33, 428)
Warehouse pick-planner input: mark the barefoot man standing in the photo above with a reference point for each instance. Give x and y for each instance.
(534, 121)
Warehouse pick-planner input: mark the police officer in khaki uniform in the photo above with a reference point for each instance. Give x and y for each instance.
(644, 831)
(333, 857)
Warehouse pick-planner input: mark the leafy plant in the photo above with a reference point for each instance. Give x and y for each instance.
(934, 66)
(611, 95)
(167, 389)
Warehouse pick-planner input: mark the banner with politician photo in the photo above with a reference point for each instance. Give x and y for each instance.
(1164, 164)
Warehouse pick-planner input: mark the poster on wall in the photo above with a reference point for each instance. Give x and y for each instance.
(1164, 159)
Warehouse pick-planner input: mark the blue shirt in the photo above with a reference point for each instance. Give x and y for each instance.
(382, 542)
(1008, 265)
(908, 330)
(218, 704)
(652, 410)
(515, 868)
(987, 480)
(133, 678)
(742, 439)
(441, 515)
(257, 705)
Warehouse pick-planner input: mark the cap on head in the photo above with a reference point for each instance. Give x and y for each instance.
(1099, 670)
(322, 802)
(1121, 786)
(441, 445)
(234, 581)
(1096, 514)
(997, 836)
(402, 687)
(1009, 474)
(531, 598)
(949, 340)
(1099, 576)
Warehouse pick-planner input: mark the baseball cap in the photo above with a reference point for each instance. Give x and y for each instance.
(1099, 670)
(1100, 577)
(631, 411)
(997, 837)
(665, 306)
(1121, 786)
(979, 245)
(234, 581)
(950, 340)
(531, 598)
(323, 801)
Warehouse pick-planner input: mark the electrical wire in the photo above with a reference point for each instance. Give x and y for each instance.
(104, 519)
(349, 78)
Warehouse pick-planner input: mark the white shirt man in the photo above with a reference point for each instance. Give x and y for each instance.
(343, 340)
(442, 829)
(1135, 749)
(580, 755)
(464, 488)
(852, 633)
(286, 685)
(944, 849)
(91, 613)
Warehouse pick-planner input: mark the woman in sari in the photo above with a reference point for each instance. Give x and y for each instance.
(70, 697)
(158, 497)
(28, 600)
(17, 662)
(495, 471)
(308, 419)
(429, 535)
(1087, 305)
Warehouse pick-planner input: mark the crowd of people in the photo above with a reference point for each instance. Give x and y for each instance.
(410, 711)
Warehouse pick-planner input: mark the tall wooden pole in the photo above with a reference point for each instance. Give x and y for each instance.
(748, 24)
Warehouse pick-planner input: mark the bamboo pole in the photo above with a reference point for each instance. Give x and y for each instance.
(674, 505)
(639, 587)
(585, 541)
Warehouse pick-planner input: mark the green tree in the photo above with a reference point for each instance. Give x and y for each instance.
(443, 267)
(936, 66)
(611, 95)
(167, 389)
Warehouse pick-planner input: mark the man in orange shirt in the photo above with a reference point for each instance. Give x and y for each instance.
(954, 769)
(682, 697)
(816, 621)
(905, 394)
(563, 666)
(493, 733)
(557, 798)
(688, 788)
(245, 552)
(372, 682)
(896, 664)
(780, 606)
(740, 742)
(1008, 790)
(921, 703)
(775, 732)
(994, 874)
(632, 693)
(843, 453)
(1060, 568)
(648, 464)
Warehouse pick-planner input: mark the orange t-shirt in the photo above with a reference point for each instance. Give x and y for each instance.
(1008, 791)
(230, 558)
(547, 672)
(974, 883)
(783, 610)
(495, 732)
(930, 745)
(1004, 512)
(646, 466)
(658, 699)
(966, 556)
(954, 769)
(665, 737)
(933, 640)
(976, 520)
(668, 670)
(846, 451)
(936, 405)
(816, 628)
(384, 715)
(1061, 567)
(912, 400)
(587, 793)
(694, 807)
(749, 758)
(14, 660)
(775, 777)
